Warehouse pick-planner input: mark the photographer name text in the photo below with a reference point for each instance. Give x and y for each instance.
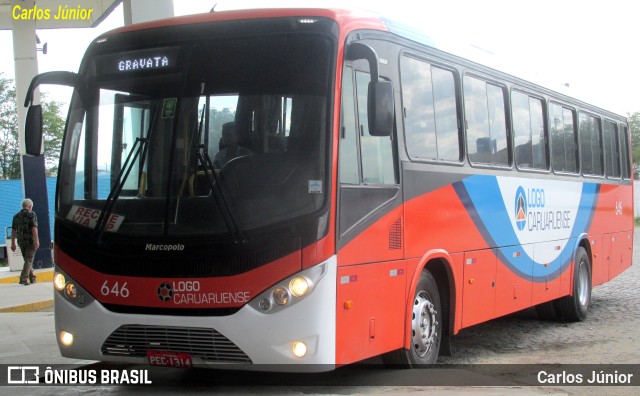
(594, 378)
(63, 13)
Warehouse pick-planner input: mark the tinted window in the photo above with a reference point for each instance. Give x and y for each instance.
(590, 145)
(624, 152)
(485, 122)
(611, 149)
(563, 139)
(528, 130)
(429, 100)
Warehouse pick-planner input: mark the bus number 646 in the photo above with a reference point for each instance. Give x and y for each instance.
(116, 289)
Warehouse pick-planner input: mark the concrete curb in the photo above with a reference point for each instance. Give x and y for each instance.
(45, 275)
(31, 307)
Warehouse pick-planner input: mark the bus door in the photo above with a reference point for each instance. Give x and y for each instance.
(371, 276)
(370, 213)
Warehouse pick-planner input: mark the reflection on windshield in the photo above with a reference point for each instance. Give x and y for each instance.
(218, 150)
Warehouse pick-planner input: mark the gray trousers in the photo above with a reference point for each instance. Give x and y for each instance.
(28, 253)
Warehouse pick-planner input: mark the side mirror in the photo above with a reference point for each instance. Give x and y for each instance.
(380, 108)
(33, 131)
(33, 125)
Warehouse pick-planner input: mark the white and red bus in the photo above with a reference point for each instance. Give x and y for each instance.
(319, 186)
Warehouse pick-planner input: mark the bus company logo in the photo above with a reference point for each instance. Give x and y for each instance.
(521, 208)
(165, 292)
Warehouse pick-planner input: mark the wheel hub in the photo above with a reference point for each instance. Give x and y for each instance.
(583, 285)
(423, 324)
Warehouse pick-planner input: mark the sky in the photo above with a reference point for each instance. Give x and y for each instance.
(586, 49)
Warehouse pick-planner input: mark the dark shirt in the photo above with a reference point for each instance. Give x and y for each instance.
(23, 222)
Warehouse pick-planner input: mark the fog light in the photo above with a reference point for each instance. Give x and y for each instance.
(299, 349)
(71, 291)
(281, 296)
(299, 286)
(66, 338)
(59, 281)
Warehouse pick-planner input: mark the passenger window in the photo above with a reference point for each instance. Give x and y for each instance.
(485, 122)
(611, 149)
(430, 111)
(529, 132)
(590, 145)
(563, 139)
(624, 152)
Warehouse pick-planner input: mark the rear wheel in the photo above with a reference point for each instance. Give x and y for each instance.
(426, 327)
(574, 308)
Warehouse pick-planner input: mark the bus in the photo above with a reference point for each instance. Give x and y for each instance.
(377, 194)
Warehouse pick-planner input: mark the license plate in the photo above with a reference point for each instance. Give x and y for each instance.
(169, 359)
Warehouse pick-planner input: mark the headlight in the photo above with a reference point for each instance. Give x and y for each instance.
(290, 290)
(299, 286)
(59, 281)
(71, 290)
(281, 296)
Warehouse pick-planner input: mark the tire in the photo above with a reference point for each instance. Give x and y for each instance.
(574, 308)
(425, 331)
(548, 311)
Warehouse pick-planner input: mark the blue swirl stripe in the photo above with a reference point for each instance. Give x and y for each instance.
(484, 202)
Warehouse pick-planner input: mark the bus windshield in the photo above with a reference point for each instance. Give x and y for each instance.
(199, 137)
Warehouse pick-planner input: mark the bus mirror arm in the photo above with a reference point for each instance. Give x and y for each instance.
(34, 122)
(56, 78)
(357, 51)
(380, 93)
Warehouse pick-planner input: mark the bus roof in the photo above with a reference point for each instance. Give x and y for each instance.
(349, 19)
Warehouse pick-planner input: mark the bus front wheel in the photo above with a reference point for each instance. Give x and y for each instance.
(425, 331)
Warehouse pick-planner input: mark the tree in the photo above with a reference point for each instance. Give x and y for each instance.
(9, 149)
(634, 124)
(53, 130)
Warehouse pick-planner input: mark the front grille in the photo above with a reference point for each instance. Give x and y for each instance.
(203, 343)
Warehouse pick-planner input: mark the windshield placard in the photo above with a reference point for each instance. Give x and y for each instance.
(89, 217)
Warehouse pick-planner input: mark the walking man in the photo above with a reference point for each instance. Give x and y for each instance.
(25, 230)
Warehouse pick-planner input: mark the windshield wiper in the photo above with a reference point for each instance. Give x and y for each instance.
(217, 188)
(139, 146)
(107, 210)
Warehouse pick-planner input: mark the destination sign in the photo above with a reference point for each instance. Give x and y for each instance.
(152, 59)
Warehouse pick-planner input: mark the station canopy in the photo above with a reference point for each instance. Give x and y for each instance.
(75, 12)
